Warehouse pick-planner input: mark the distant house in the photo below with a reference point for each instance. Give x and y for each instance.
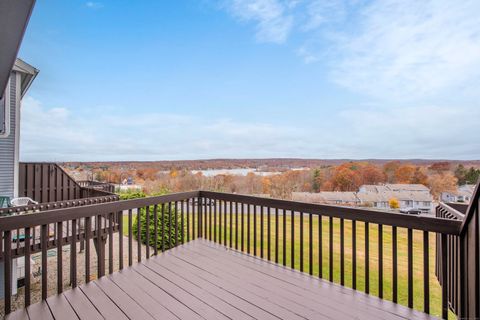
(463, 194)
(414, 196)
(327, 197)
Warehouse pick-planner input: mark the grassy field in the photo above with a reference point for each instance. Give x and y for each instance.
(435, 290)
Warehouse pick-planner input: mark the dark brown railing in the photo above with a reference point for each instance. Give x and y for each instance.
(49, 183)
(377, 252)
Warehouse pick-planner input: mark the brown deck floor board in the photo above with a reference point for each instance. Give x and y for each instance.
(131, 308)
(18, 315)
(226, 296)
(198, 292)
(273, 306)
(39, 311)
(302, 305)
(82, 306)
(102, 302)
(60, 308)
(158, 311)
(311, 284)
(335, 305)
(204, 280)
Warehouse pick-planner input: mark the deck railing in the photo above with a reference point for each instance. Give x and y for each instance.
(386, 254)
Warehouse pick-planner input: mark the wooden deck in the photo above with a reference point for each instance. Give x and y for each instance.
(203, 280)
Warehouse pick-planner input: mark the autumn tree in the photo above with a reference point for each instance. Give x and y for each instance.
(439, 183)
(419, 177)
(390, 168)
(345, 179)
(372, 174)
(404, 173)
(440, 167)
(394, 203)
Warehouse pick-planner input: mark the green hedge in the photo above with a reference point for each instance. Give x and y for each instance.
(167, 220)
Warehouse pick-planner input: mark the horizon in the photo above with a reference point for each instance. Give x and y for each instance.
(252, 79)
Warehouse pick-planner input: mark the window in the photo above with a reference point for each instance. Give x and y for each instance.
(3, 112)
(5, 115)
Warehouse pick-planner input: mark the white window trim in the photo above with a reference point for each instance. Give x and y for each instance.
(7, 112)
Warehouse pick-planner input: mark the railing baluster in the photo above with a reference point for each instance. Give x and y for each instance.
(301, 241)
(88, 237)
(215, 221)
(354, 254)
(225, 224)
(443, 242)
(380, 261)
(394, 265)
(342, 252)
(205, 218)
(236, 226)
(155, 229)
(219, 220)
(73, 255)
(193, 218)
(120, 239)
(367, 258)
(261, 231)
(110, 243)
(292, 240)
(147, 232)
(170, 226)
(284, 230)
(7, 271)
(254, 230)
(310, 244)
(182, 207)
(188, 220)
(27, 266)
(163, 227)
(175, 214)
(269, 254)
(209, 205)
(426, 267)
(43, 244)
(276, 235)
(231, 223)
(410, 267)
(59, 258)
(130, 238)
(242, 229)
(248, 228)
(139, 235)
(320, 246)
(330, 248)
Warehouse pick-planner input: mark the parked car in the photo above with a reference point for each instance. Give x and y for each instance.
(410, 211)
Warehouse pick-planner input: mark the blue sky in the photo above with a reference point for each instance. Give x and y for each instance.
(153, 80)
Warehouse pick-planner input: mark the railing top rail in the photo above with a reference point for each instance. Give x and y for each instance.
(425, 223)
(454, 212)
(58, 215)
(58, 204)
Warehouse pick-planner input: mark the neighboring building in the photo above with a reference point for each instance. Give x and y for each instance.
(413, 196)
(463, 194)
(20, 80)
(327, 197)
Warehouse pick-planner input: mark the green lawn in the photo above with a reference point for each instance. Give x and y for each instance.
(435, 290)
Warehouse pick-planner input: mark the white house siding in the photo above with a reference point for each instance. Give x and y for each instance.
(7, 146)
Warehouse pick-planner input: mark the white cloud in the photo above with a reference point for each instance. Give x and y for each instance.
(411, 49)
(273, 23)
(389, 49)
(57, 134)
